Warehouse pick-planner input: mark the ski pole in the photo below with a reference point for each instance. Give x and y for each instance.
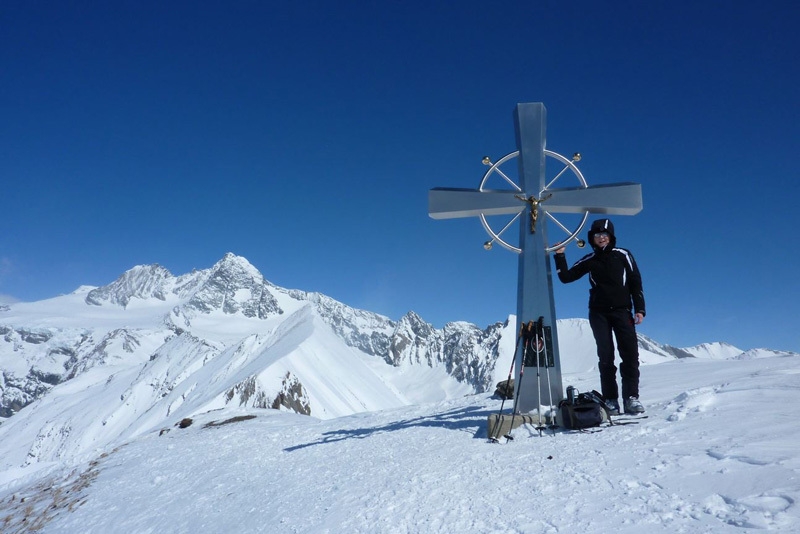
(547, 371)
(539, 348)
(508, 436)
(525, 345)
(492, 437)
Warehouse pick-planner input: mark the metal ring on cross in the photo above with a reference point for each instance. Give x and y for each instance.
(495, 170)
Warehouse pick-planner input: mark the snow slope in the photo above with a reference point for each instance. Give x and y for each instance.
(718, 453)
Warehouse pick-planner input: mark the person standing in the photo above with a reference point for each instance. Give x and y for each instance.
(616, 305)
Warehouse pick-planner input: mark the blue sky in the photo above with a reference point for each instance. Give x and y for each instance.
(305, 136)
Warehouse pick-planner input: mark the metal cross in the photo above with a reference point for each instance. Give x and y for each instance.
(535, 284)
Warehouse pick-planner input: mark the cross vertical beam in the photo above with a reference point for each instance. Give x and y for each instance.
(535, 283)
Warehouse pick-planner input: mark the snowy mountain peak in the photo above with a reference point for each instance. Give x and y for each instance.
(233, 285)
(232, 262)
(142, 281)
(415, 324)
(716, 350)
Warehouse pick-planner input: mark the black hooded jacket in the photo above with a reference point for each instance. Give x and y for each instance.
(613, 274)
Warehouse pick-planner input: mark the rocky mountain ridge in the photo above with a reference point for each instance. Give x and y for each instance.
(232, 287)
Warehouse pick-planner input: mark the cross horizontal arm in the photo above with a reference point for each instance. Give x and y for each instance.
(611, 199)
(452, 203)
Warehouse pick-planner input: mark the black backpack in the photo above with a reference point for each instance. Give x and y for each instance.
(582, 410)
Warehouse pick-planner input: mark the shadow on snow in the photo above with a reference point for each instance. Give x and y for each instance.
(471, 419)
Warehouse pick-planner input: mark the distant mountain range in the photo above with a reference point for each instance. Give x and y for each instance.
(84, 370)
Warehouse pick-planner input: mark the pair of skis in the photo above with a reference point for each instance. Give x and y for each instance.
(533, 343)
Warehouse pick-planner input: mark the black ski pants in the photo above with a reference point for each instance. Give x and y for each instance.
(620, 322)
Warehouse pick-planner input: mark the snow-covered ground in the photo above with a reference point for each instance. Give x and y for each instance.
(717, 453)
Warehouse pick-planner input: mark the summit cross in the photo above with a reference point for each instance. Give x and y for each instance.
(532, 195)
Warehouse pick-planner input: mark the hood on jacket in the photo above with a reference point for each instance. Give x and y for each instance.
(603, 225)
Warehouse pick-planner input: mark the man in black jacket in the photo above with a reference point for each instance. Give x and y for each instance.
(616, 304)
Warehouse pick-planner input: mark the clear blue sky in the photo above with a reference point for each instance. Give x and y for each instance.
(305, 136)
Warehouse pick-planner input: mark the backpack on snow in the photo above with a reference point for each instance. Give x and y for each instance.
(582, 410)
